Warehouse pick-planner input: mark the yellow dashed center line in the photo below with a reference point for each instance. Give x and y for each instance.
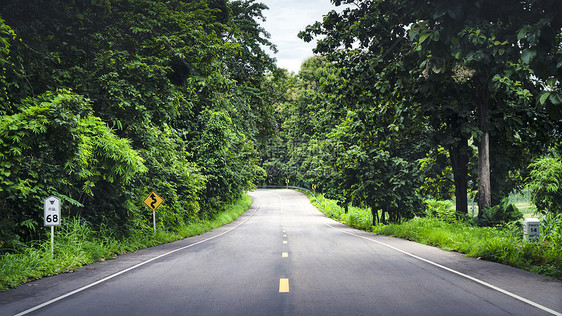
(283, 285)
(284, 255)
(284, 235)
(284, 241)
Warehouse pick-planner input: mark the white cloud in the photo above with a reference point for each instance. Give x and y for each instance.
(285, 19)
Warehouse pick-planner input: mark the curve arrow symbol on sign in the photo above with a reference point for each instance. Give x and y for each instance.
(154, 200)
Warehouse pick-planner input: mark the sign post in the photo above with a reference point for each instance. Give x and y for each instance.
(52, 217)
(531, 229)
(153, 201)
(314, 189)
(287, 182)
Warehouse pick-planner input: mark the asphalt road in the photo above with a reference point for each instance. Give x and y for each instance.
(283, 257)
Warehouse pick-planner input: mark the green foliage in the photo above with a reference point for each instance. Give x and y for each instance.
(354, 217)
(178, 180)
(444, 210)
(545, 184)
(482, 242)
(6, 36)
(155, 72)
(352, 148)
(437, 182)
(500, 215)
(461, 70)
(227, 159)
(56, 146)
(551, 229)
(252, 61)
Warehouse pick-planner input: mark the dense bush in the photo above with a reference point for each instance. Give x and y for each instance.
(500, 215)
(441, 209)
(551, 229)
(103, 102)
(55, 146)
(545, 184)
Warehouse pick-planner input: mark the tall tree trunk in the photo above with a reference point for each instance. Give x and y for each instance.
(484, 184)
(375, 214)
(459, 162)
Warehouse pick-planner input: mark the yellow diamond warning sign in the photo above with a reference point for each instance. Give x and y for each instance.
(153, 201)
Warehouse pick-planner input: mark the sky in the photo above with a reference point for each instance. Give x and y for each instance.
(284, 20)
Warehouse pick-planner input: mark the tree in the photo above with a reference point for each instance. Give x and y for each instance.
(7, 35)
(375, 168)
(252, 61)
(335, 137)
(55, 145)
(161, 74)
(545, 185)
(469, 66)
(492, 47)
(228, 160)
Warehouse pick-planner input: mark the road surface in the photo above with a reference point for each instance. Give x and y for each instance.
(283, 257)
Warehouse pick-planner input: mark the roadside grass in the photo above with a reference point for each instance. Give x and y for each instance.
(503, 245)
(355, 217)
(76, 245)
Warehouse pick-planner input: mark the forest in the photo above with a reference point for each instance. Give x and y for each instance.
(404, 102)
(103, 102)
(410, 100)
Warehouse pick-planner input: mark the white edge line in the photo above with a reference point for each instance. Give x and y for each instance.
(129, 269)
(515, 296)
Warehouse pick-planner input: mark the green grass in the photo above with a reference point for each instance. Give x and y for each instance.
(489, 243)
(355, 217)
(77, 245)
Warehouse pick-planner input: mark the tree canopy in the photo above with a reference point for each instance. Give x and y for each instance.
(104, 101)
(478, 78)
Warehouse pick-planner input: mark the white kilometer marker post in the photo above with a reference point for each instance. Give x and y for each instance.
(531, 229)
(52, 217)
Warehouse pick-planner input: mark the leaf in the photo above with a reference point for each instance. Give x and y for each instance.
(424, 36)
(528, 55)
(543, 98)
(435, 36)
(522, 33)
(555, 99)
(413, 33)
